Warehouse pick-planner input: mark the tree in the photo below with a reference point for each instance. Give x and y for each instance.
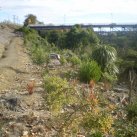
(78, 36)
(30, 19)
(73, 37)
(55, 36)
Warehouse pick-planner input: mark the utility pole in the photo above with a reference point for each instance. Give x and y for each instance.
(64, 19)
(14, 19)
(17, 20)
(0, 8)
(111, 17)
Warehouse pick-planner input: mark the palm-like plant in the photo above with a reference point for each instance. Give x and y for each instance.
(104, 55)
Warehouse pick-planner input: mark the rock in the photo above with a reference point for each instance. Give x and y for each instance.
(54, 60)
(25, 133)
(54, 56)
(12, 102)
(80, 136)
(53, 63)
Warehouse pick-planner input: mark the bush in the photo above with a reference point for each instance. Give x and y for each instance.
(54, 83)
(125, 129)
(75, 60)
(97, 134)
(85, 57)
(63, 60)
(97, 124)
(89, 70)
(71, 57)
(132, 112)
(110, 78)
(58, 93)
(39, 56)
(70, 74)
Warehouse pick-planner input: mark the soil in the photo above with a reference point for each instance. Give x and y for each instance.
(16, 70)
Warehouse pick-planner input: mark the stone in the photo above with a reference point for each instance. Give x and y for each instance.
(54, 56)
(25, 133)
(53, 63)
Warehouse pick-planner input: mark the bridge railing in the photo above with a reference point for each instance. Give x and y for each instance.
(100, 27)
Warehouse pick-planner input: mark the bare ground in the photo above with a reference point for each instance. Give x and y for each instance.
(16, 66)
(16, 70)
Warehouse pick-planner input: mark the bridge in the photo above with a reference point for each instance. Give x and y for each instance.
(97, 27)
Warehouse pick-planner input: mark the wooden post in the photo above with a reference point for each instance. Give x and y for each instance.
(131, 81)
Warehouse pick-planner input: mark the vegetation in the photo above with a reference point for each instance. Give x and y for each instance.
(39, 56)
(77, 36)
(74, 111)
(30, 19)
(89, 70)
(104, 55)
(126, 127)
(77, 108)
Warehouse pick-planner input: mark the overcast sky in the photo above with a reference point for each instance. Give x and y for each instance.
(71, 11)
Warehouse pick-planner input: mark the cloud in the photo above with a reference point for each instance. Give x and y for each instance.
(58, 11)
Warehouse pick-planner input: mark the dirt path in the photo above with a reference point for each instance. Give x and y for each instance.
(16, 66)
(10, 54)
(16, 70)
(17, 107)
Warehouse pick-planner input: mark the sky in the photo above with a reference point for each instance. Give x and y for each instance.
(70, 11)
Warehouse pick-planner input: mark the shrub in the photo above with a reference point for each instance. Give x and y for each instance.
(132, 112)
(110, 78)
(89, 70)
(85, 57)
(63, 60)
(97, 134)
(71, 57)
(75, 60)
(53, 83)
(125, 129)
(58, 93)
(98, 122)
(39, 56)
